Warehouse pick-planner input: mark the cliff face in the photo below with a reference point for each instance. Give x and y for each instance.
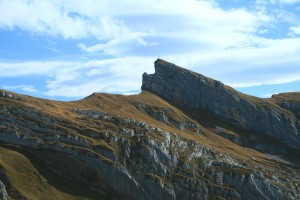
(289, 101)
(193, 91)
(143, 147)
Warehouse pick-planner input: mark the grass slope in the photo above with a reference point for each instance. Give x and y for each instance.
(34, 182)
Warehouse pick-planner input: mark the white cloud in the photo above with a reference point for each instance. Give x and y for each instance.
(120, 75)
(118, 22)
(295, 30)
(81, 78)
(93, 48)
(57, 18)
(26, 88)
(289, 1)
(17, 69)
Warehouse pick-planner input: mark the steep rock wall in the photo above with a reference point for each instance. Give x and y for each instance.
(194, 91)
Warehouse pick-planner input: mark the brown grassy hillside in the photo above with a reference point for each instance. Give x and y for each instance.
(33, 175)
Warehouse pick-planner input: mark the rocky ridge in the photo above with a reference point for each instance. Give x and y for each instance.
(191, 91)
(157, 152)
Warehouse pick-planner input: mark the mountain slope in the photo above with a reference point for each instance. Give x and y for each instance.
(26, 178)
(165, 143)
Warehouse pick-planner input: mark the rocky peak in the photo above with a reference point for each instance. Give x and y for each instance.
(173, 83)
(193, 91)
(163, 67)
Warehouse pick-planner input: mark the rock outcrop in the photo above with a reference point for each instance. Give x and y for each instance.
(165, 116)
(3, 193)
(192, 91)
(8, 95)
(289, 101)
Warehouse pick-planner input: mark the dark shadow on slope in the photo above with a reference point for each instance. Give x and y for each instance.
(60, 183)
(12, 192)
(247, 138)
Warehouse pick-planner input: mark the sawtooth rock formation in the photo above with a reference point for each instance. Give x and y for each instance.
(185, 136)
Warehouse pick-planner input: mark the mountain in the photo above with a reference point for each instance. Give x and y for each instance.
(186, 136)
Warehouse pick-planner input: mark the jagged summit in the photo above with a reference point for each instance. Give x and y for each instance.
(164, 68)
(161, 65)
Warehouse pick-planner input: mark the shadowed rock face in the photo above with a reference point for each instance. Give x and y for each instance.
(193, 91)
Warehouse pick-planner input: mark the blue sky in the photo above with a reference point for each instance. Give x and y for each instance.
(66, 49)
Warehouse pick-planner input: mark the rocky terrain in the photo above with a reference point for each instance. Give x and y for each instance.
(185, 136)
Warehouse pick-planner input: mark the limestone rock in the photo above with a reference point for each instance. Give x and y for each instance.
(8, 95)
(193, 91)
(3, 193)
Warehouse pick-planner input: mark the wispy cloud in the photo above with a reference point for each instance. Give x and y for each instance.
(17, 69)
(289, 1)
(58, 18)
(93, 48)
(119, 75)
(26, 88)
(295, 30)
(80, 78)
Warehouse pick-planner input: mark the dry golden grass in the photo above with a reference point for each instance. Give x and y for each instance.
(125, 107)
(293, 97)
